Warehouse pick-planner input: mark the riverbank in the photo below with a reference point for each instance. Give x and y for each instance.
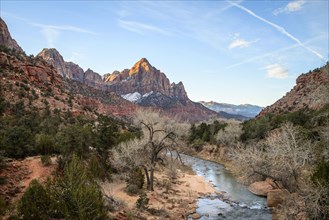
(279, 200)
(172, 198)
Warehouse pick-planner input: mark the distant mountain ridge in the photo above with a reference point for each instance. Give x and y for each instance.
(244, 110)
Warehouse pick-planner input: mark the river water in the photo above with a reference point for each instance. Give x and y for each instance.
(234, 201)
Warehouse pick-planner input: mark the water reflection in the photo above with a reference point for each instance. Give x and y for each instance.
(236, 201)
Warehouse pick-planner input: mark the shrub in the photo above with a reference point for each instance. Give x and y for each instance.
(136, 177)
(35, 202)
(46, 160)
(44, 143)
(96, 169)
(142, 201)
(3, 207)
(321, 174)
(79, 196)
(132, 190)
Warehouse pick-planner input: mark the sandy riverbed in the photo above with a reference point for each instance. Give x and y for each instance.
(171, 198)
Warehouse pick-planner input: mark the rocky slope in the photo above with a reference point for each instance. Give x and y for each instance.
(70, 70)
(5, 38)
(311, 91)
(35, 82)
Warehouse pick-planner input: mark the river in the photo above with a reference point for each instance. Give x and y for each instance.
(233, 200)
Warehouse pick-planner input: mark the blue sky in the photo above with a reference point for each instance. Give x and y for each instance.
(225, 51)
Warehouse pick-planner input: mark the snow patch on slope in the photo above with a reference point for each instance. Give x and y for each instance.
(136, 96)
(147, 94)
(132, 97)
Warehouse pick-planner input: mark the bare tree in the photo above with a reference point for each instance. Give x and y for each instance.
(287, 154)
(229, 136)
(159, 140)
(282, 156)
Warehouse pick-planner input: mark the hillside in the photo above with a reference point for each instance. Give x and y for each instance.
(310, 92)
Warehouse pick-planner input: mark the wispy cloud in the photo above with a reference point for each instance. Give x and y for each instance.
(290, 7)
(240, 43)
(277, 71)
(255, 58)
(51, 35)
(280, 29)
(141, 28)
(64, 28)
(52, 32)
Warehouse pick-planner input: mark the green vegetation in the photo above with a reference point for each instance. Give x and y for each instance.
(35, 202)
(27, 133)
(291, 148)
(308, 119)
(204, 133)
(46, 160)
(142, 201)
(135, 181)
(321, 173)
(74, 195)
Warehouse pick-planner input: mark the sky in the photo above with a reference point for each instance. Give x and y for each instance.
(225, 51)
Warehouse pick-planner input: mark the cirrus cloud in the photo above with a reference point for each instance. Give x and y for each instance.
(240, 43)
(290, 7)
(277, 71)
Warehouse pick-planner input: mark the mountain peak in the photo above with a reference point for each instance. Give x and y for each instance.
(5, 38)
(143, 60)
(50, 54)
(142, 66)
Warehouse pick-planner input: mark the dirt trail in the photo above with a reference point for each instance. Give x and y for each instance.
(19, 175)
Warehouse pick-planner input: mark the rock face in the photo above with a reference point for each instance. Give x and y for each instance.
(311, 91)
(74, 71)
(5, 38)
(70, 70)
(142, 84)
(53, 57)
(144, 78)
(93, 79)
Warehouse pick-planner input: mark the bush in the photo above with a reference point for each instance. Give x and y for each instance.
(35, 202)
(142, 201)
(3, 207)
(96, 169)
(46, 160)
(78, 196)
(321, 174)
(132, 190)
(44, 143)
(136, 177)
(205, 132)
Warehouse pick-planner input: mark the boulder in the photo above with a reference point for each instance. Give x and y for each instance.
(196, 216)
(276, 197)
(260, 188)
